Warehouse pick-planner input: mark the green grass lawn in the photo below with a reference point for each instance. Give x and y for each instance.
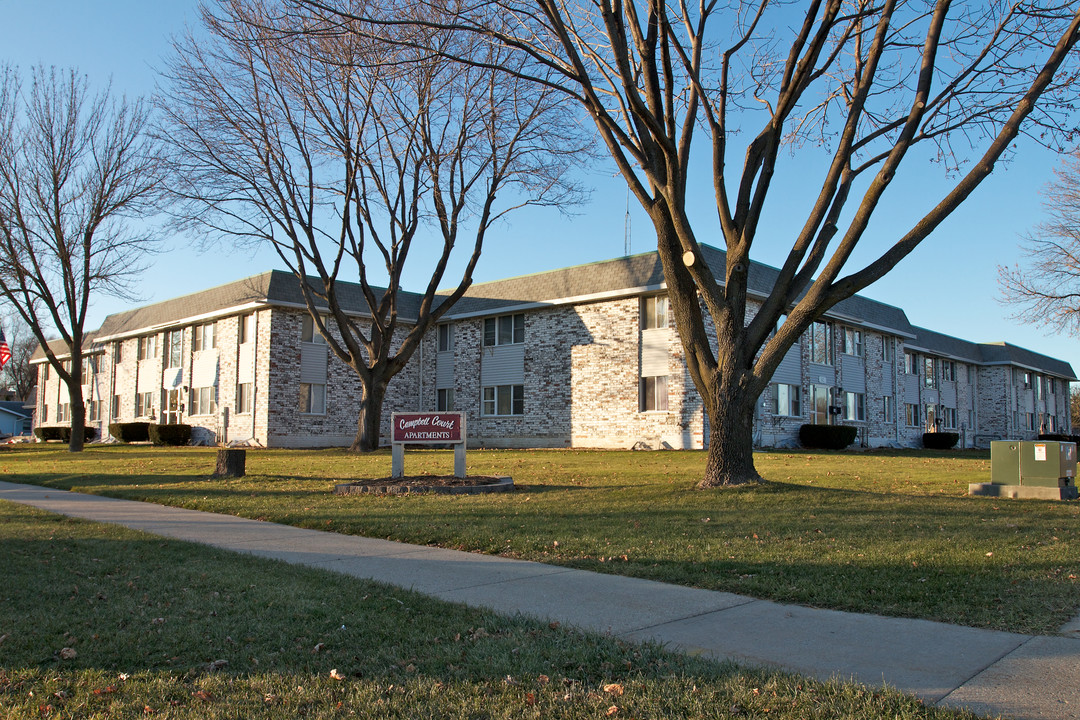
(884, 532)
(98, 621)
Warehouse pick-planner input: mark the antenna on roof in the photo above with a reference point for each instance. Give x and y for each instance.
(626, 225)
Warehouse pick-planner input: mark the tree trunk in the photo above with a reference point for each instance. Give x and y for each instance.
(78, 419)
(231, 463)
(367, 431)
(731, 439)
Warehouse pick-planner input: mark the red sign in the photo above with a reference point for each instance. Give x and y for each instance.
(428, 427)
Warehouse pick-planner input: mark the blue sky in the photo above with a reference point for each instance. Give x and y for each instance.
(949, 284)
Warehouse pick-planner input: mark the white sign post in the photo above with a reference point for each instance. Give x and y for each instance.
(426, 428)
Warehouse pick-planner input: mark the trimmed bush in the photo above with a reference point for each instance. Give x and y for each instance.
(170, 434)
(129, 432)
(1060, 437)
(940, 440)
(63, 434)
(827, 437)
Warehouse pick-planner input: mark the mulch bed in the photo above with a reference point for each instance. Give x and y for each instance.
(442, 484)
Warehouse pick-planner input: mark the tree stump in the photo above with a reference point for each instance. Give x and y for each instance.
(230, 463)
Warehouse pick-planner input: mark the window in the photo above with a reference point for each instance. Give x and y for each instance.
(446, 337)
(504, 400)
(148, 347)
(115, 406)
(309, 333)
(911, 363)
(1026, 375)
(854, 406)
(821, 343)
(930, 418)
(851, 342)
(174, 344)
(63, 412)
(313, 398)
(44, 413)
(118, 351)
(505, 330)
(243, 398)
(89, 367)
(444, 401)
(970, 374)
(144, 404)
(948, 370)
(93, 407)
(46, 366)
(203, 401)
(888, 408)
(1029, 421)
(245, 331)
(205, 337)
(653, 394)
(1052, 386)
(887, 348)
(786, 399)
(1051, 424)
(929, 376)
(948, 418)
(911, 415)
(66, 364)
(654, 312)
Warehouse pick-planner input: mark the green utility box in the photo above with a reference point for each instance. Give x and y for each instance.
(1042, 463)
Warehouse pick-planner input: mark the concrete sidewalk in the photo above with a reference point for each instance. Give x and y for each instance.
(989, 672)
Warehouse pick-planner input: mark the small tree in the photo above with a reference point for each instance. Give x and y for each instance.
(342, 151)
(75, 168)
(18, 373)
(1045, 289)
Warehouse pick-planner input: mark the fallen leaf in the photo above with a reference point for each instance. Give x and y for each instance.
(530, 698)
(67, 653)
(543, 679)
(318, 648)
(613, 710)
(202, 695)
(335, 675)
(614, 689)
(217, 665)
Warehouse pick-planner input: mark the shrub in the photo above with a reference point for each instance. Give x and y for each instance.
(940, 440)
(170, 434)
(827, 437)
(1060, 437)
(129, 432)
(64, 433)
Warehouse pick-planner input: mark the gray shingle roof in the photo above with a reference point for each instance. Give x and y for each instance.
(995, 353)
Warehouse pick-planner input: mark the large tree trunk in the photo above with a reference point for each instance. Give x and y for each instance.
(731, 440)
(367, 431)
(78, 419)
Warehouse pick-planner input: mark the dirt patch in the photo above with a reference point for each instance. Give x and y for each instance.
(442, 484)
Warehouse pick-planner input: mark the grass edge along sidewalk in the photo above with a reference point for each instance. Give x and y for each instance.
(99, 620)
(889, 533)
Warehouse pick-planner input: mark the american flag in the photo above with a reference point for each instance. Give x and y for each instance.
(5, 351)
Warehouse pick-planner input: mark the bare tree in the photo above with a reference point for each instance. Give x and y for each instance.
(1074, 408)
(1046, 287)
(349, 154)
(18, 373)
(75, 169)
(862, 83)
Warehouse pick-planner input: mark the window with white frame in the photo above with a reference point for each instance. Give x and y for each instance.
(929, 374)
(855, 406)
(313, 398)
(309, 333)
(654, 313)
(243, 397)
(92, 409)
(245, 331)
(203, 401)
(911, 363)
(786, 400)
(144, 404)
(887, 348)
(653, 394)
(205, 337)
(63, 412)
(115, 406)
(446, 337)
(89, 367)
(148, 347)
(948, 418)
(174, 346)
(888, 408)
(1026, 378)
(504, 400)
(820, 339)
(444, 399)
(852, 342)
(948, 370)
(911, 415)
(504, 330)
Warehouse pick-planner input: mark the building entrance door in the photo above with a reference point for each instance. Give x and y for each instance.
(170, 414)
(819, 405)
